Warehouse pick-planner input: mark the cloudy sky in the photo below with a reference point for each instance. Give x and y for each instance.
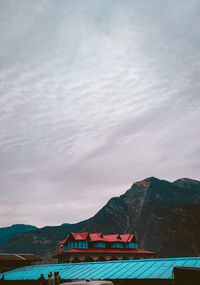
(94, 95)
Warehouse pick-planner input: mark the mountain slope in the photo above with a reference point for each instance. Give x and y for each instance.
(9, 232)
(190, 184)
(159, 211)
(185, 240)
(152, 207)
(42, 242)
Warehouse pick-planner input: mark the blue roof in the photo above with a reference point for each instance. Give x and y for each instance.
(126, 269)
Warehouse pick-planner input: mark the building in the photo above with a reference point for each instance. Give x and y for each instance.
(86, 247)
(12, 261)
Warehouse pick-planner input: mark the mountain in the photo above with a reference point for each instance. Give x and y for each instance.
(9, 232)
(153, 208)
(190, 184)
(187, 234)
(42, 242)
(165, 216)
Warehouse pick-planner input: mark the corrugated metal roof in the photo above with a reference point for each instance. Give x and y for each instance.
(126, 269)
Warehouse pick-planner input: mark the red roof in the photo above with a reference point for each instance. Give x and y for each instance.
(96, 237)
(100, 237)
(108, 250)
(76, 236)
(79, 236)
(112, 238)
(127, 237)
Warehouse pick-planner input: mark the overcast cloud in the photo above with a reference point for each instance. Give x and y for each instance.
(94, 95)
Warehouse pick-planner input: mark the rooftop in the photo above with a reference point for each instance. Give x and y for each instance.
(127, 269)
(100, 237)
(19, 257)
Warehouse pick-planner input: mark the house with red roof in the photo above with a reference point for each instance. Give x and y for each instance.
(85, 247)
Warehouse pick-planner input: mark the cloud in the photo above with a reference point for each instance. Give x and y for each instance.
(94, 96)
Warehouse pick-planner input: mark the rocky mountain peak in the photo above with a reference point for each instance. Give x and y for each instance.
(146, 182)
(187, 183)
(149, 188)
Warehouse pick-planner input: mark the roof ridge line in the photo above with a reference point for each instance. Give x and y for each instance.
(20, 256)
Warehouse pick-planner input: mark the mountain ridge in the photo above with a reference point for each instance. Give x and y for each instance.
(158, 210)
(8, 232)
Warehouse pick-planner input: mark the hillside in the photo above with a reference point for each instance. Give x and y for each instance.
(42, 242)
(9, 232)
(159, 211)
(153, 208)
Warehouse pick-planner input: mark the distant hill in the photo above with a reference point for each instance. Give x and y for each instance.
(9, 232)
(42, 242)
(165, 215)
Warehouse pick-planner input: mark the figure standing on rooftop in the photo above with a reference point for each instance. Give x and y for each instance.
(57, 278)
(2, 280)
(51, 280)
(42, 280)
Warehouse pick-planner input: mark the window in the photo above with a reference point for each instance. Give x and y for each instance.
(99, 244)
(131, 245)
(117, 245)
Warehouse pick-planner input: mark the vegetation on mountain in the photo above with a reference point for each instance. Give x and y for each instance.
(9, 232)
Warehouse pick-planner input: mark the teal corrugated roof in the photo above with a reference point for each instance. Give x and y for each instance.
(126, 269)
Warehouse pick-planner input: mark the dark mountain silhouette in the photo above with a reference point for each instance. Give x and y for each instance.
(42, 242)
(153, 208)
(9, 232)
(165, 216)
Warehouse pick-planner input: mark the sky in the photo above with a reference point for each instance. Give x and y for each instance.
(94, 96)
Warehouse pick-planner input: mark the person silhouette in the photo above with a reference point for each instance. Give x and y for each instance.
(51, 279)
(42, 280)
(2, 280)
(57, 278)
